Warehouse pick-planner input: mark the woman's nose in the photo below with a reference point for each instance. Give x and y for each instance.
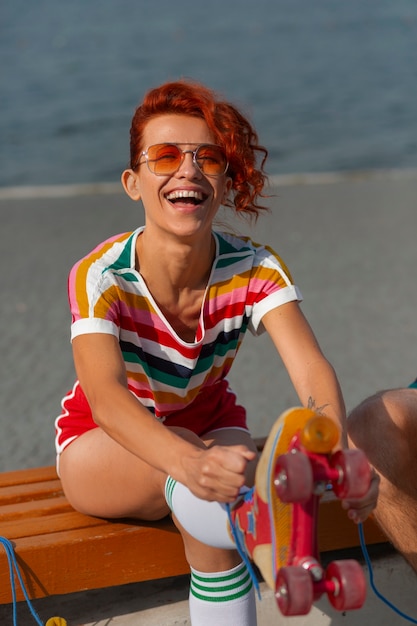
(188, 166)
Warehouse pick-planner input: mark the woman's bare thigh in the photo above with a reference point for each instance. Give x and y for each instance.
(102, 478)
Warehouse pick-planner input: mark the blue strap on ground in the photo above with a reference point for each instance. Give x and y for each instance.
(371, 580)
(14, 567)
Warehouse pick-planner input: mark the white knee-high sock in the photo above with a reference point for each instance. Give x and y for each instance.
(219, 598)
(205, 521)
(222, 598)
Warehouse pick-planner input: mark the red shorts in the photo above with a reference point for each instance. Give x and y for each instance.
(214, 408)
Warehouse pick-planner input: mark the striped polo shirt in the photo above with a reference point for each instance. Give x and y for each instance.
(108, 295)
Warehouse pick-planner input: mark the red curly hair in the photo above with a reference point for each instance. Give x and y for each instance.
(229, 127)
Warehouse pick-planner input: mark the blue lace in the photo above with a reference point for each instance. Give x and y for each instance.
(372, 583)
(14, 567)
(246, 560)
(240, 547)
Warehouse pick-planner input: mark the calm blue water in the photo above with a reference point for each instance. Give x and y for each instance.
(330, 84)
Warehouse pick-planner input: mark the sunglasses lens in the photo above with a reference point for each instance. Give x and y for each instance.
(164, 159)
(211, 160)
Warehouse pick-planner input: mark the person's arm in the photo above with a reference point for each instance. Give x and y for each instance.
(215, 473)
(312, 375)
(315, 382)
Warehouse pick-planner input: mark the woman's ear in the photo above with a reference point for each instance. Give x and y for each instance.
(130, 184)
(229, 184)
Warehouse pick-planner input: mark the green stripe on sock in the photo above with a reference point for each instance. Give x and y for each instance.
(207, 588)
(221, 588)
(169, 488)
(220, 579)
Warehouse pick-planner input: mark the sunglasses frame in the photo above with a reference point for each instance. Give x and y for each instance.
(194, 152)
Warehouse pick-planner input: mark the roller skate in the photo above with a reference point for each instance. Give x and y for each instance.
(276, 523)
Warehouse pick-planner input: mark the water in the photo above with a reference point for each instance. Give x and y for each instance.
(330, 85)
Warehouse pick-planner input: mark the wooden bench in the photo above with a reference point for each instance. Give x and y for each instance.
(61, 551)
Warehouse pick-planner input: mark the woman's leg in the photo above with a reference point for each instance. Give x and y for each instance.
(101, 478)
(221, 589)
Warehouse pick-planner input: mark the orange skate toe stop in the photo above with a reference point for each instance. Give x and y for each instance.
(320, 434)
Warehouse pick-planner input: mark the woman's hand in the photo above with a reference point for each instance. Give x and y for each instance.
(217, 473)
(359, 509)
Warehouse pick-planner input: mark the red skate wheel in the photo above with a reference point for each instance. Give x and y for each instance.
(349, 590)
(294, 590)
(293, 477)
(354, 473)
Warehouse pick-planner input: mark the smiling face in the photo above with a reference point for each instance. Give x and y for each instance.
(184, 203)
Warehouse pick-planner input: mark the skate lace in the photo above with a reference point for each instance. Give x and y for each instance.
(372, 583)
(14, 568)
(239, 539)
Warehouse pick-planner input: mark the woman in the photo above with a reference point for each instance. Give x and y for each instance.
(158, 316)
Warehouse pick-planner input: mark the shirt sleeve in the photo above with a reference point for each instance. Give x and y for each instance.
(271, 285)
(95, 286)
(94, 301)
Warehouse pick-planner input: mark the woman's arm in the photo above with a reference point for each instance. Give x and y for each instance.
(312, 375)
(315, 382)
(215, 473)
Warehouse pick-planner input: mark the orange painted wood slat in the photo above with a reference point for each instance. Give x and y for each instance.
(113, 554)
(33, 509)
(32, 491)
(28, 476)
(47, 524)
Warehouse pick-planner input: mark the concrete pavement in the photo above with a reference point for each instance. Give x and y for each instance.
(350, 242)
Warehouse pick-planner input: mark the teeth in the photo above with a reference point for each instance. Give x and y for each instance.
(175, 195)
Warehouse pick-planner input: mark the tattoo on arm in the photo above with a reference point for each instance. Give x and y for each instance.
(311, 404)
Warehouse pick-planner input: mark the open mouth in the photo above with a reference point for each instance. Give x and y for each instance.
(189, 197)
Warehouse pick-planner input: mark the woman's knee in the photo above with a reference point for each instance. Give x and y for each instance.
(188, 435)
(233, 437)
(206, 558)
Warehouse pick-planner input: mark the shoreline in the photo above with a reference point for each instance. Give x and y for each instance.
(275, 180)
